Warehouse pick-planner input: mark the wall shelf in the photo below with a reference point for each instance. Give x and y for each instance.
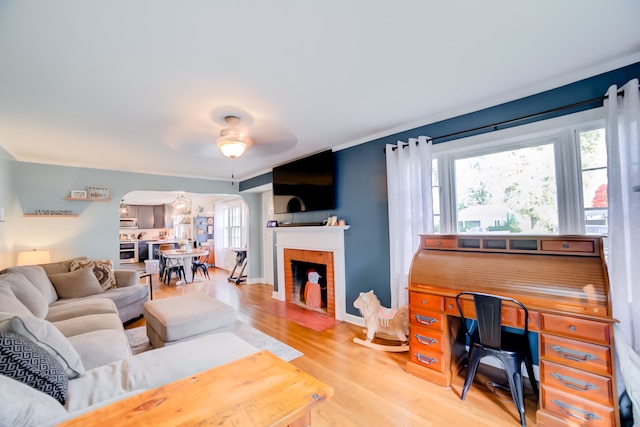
(50, 216)
(85, 199)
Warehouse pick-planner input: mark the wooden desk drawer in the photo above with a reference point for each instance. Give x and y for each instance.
(423, 338)
(576, 411)
(581, 355)
(567, 246)
(429, 359)
(572, 327)
(511, 316)
(579, 383)
(440, 243)
(427, 319)
(428, 301)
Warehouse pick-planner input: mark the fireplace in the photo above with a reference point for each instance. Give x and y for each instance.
(309, 279)
(312, 248)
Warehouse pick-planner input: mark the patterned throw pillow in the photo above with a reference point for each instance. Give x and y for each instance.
(24, 361)
(103, 269)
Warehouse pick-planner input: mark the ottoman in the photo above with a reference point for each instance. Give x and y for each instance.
(175, 319)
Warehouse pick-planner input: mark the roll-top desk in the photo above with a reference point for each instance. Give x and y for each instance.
(563, 282)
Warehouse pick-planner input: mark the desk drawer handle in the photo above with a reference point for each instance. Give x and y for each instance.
(574, 383)
(425, 340)
(424, 320)
(581, 414)
(578, 356)
(425, 359)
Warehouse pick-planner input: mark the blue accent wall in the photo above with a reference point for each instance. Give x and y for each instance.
(361, 175)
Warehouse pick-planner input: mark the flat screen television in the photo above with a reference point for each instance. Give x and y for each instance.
(305, 185)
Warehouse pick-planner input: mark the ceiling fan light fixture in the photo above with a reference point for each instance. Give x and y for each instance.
(233, 141)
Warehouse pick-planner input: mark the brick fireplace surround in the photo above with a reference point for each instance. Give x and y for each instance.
(316, 257)
(313, 244)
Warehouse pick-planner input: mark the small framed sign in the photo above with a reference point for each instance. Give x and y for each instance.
(78, 194)
(97, 192)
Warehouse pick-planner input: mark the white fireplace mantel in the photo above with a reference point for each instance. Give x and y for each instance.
(314, 238)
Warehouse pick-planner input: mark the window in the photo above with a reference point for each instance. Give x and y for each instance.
(593, 156)
(233, 226)
(548, 177)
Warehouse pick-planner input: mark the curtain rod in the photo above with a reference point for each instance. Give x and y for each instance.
(494, 126)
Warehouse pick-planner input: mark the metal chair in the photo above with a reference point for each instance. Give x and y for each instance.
(200, 263)
(489, 339)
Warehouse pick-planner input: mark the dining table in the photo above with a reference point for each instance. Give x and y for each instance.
(187, 260)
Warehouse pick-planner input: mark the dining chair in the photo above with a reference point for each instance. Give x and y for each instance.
(200, 263)
(488, 338)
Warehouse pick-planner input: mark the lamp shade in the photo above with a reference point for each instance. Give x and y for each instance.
(232, 148)
(33, 257)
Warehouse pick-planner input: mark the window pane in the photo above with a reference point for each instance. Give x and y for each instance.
(593, 155)
(512, 191)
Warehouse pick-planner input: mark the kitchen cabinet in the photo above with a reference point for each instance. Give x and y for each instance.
(143, 250)
(145, 217)
(132, 212)
(159, 217)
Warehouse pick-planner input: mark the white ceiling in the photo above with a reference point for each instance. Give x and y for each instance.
(144, 85)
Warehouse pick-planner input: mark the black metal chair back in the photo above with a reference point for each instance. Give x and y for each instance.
(489, 339)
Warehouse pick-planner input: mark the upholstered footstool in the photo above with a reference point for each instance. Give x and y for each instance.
(171, 320)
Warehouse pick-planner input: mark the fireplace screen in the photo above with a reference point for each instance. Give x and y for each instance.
(310, 285)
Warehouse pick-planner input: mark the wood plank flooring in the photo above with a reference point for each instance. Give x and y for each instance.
(372, 387)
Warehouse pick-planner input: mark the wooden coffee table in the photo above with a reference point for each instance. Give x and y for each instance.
(258, 390)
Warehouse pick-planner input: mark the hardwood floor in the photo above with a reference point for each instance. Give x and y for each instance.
(372, 387)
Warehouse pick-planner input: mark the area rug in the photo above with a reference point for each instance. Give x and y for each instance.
(139, 342)
(308, 318)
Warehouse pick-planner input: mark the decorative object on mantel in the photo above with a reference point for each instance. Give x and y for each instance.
(33, 257)
(97, 192)
(385, 323)
(78, 194)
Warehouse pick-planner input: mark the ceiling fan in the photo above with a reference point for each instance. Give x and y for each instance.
(233, 140)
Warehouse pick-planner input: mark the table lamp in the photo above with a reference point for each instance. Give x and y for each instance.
(33, 257)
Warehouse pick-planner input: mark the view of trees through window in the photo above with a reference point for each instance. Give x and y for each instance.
(593, 155)
(510, 191)
(514, 189)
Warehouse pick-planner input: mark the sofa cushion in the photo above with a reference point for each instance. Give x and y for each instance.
(26, 293)
(9, 303)
(24, 406)
(59, 266)
(46, 336)
(101, 347)
(37, 276)
(88, 323)
(69, 309)
(76, 284)
(24, 361)
(103, 270)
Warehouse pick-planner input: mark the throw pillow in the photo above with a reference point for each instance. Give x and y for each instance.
(24, 361)
(46, 336)
(76, 284)
(26, 293)
(103, 269)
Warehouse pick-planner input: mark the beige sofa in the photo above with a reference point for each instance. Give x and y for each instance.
(79, 354)
(126, 291)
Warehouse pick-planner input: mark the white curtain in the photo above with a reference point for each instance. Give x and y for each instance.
(623, 155)
(410, 208)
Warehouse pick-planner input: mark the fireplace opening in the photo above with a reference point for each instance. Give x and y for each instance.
(310, 285)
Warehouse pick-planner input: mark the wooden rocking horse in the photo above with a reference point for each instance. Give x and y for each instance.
(385, 323)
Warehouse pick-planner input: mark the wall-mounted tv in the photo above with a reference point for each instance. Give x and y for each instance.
(305, 185)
